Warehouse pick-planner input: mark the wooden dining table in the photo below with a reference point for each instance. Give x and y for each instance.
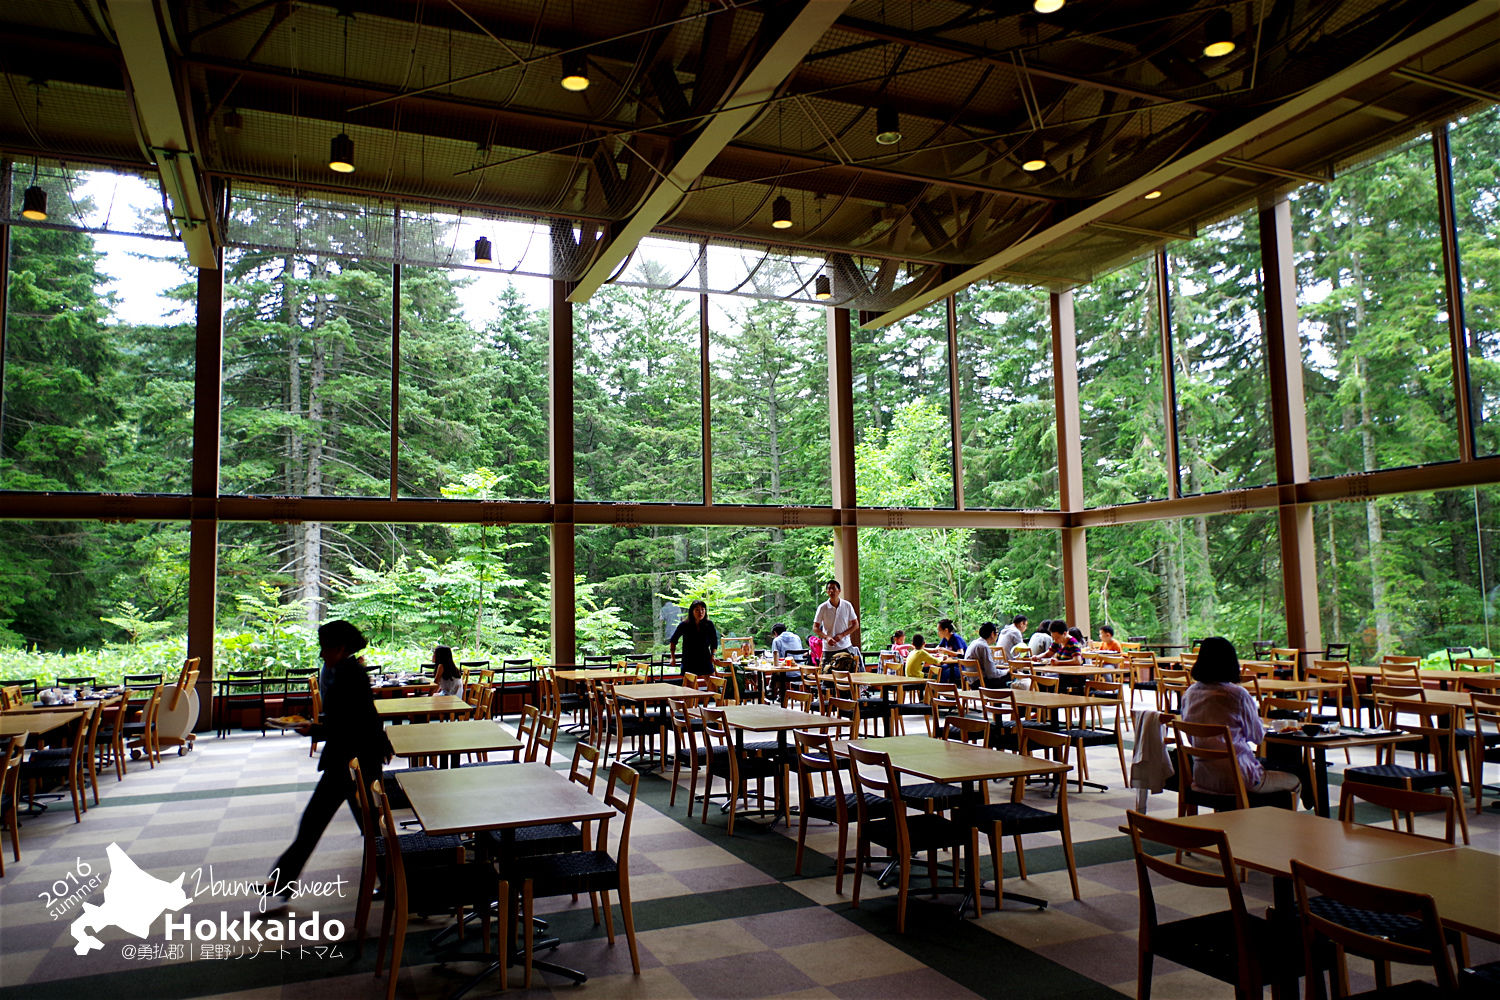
(20, 722)
(438, 704)
(885, 684)
(447, 740)
(470, 799)
(1464, 882)
(965, 765)
(1320, 745)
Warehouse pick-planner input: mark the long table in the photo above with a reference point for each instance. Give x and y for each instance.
(439, 704)
(1463, 881)
(449, 739)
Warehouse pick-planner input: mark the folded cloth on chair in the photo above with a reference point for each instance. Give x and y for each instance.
(1150, 764)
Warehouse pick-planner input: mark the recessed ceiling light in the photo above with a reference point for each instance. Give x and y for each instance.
(1218, 37)
(1152, 195)
(1047, 6)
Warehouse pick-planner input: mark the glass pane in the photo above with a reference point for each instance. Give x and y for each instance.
(1377, 362)
(1475, 147)
(474, 387)
(1005, 404)
(637, 411)
(80, 598)
(633, 583)
(904, 447)
(1223, 401)
(769, 401)
(911, 578)
(98, 391)
(1177, 580)
(480, 589)
(1120, 387)
(307, 375)
(1411, 574)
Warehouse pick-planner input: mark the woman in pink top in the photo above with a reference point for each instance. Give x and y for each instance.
(1216, 697)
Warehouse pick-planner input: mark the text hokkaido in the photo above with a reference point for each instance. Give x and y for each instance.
(242, 928)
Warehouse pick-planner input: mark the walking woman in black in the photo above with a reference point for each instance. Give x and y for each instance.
(699, 640)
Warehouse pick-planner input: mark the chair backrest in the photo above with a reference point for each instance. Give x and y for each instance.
(10, 697)
(1337, 650)
(801, 700)
(1457, 652)
(1398, 660)
(683, 728)
(1285, 708)
(715, 728)
(1209, 743)
(141, 682)
(1285, 653)
(621, 792)
(1400, 673)
(1487, 680)
(874, 775)
(84, 681)
(1399, 800)
(1170, 690)
(1423, 944)
(844, 708)
(584, 770)
(1260, 647)
(999, 707)
(815, 756)
(1042, 682)
(1047, 744)
(962, 729)
(546, 736)
(1214, 871)
(526, 731)
(11, 748)
(1438, 723)
(969, 675)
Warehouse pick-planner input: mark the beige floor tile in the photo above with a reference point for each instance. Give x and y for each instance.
(859, 957)
(1030, 927)
(699, 942)
(690, 858)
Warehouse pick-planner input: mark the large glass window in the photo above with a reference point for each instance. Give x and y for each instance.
(637, 404)
(80, 598)
(1412, 573)
(474, 385)
(1379, 372)
(307, 372)
(1005, 403)
(98, 387)
(1475, 147)
(1223, 401)
(633, 583)
(904, 445)
(1185, 578)
(1120, 387)
(768, 401)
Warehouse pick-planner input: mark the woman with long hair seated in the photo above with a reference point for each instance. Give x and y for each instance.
(450, 679)
(1217, 698)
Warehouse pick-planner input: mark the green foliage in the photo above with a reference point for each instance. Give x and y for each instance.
(136, 623)
(728, 600)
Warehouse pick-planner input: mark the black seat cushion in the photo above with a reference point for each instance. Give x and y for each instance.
(941, 794)
(1090, 737)
(1015, 817)
(1398, 775)
(924, 832)
(422, 849)
(556, 874)
(547, 838)
(825, 806)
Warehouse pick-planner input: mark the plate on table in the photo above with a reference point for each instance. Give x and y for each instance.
(288, 721)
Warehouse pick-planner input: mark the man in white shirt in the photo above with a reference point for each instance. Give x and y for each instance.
(1013, 635)
(834, 622)
(994, 673)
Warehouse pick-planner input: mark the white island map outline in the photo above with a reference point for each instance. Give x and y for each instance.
(133, 899)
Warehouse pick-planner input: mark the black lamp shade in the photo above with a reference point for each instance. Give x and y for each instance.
(1218, 37)
(482, 252)
(341, 154)
(34, 204)
(781, 213)
(1032, 156)
(575, 72)
(887, 126)
(824, 287)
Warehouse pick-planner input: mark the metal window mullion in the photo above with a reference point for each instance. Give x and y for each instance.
(1458, 333)
(704, 401)
(395, 373)
(955, 426)
(1169, 377)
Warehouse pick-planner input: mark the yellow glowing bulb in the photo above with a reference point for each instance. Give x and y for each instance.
(1153, 195)
(1216, 49)
(1033, 165)
(1047, 6)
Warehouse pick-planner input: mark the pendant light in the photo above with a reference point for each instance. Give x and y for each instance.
(824, 288)
(34, 201)
(482, 252)
(575, 72)
(1047, 6)
(1218, 36)
(341, 149)
(1032, 156)
(887, 126)
(781, 213)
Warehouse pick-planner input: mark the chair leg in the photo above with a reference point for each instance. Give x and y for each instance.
(861, 849)
(502, 930)
(528, 929)
(627, 915)
(902, 894)
(801, 842)
(1143, 976)
(609, 916)
(1020, 857)
(843, 859)
(1458, 799)
(398, 945)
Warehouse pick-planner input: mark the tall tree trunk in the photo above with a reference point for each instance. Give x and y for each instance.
(1384, 641)
(1333, 575)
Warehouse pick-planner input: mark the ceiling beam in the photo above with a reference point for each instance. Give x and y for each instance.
(1450, 28)
(159, 110)
(779, 60)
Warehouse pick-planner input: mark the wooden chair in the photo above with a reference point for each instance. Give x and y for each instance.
(1003, 716)
(549, 838)
(689, 754)
(1292, 657)
(1016, 819)
(144, 729)
(901, 835)
(941, 700)
(1485, 747)
(1419, 940)
(441, 888)
(815, 757)
(1211, 743)
(1332, 672)
(970, 677)
(589, 870)
(545, 739)
(1400, 802)
(56, 766)
(1094, 732)
(725, 760)
(417, 850)
(802, 701)
(1227, 944)
(1171, 685)
(1481, 665)
(1142, 667)
(1436, 724)
(11, 749)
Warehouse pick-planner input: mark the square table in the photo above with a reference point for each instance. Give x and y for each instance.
(470, 799)
(771, 719)
(1320, 745)
(885, 684)
(646, 694)
(449, 739)
(439, 704)
(776, 673)
(17, 723)
(964, 764)
(1464, 881)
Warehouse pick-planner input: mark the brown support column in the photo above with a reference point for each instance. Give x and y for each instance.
(841, 454)
(395, 375)
(953, 413)
(1168, 379)
(1453, 287)
(560, 445)
(203, 530)
(703, 395)
(1075, 564)
(1299, 568)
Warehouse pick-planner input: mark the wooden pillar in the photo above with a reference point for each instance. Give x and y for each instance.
(203, 529)
(704, 393)
(841, 455)
(955, 427)
(1299, 568)
(1075, 567)
(1466, 408)
(1168, 379)
(560, 445)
